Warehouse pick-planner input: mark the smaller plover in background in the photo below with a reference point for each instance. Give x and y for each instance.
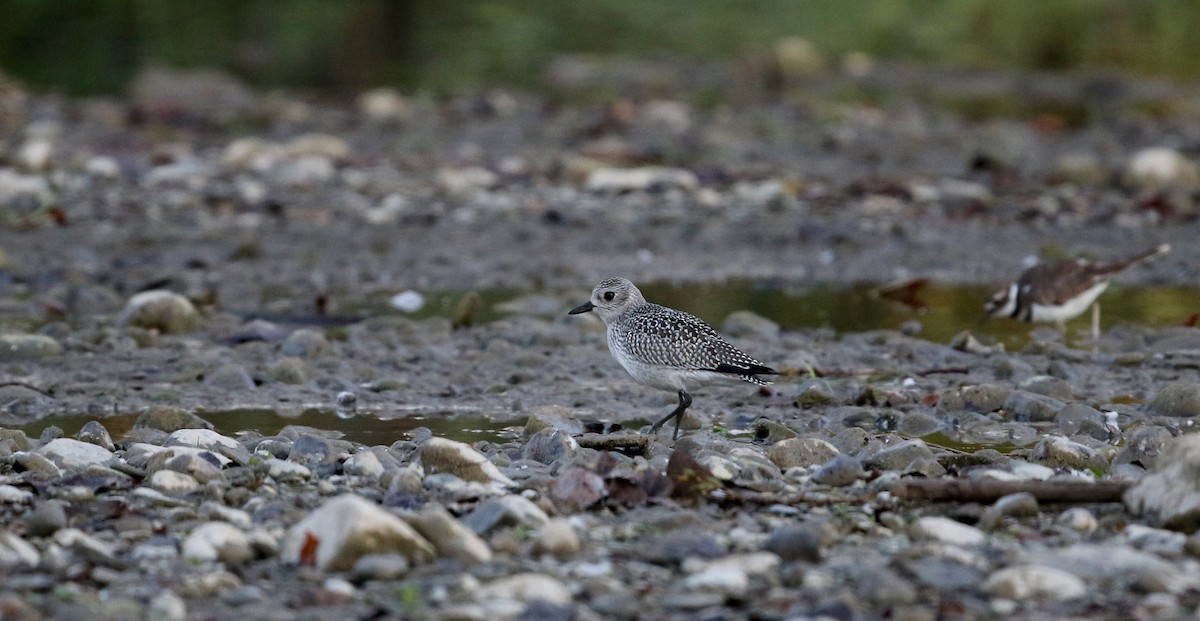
(1060, 291)
(666, 348)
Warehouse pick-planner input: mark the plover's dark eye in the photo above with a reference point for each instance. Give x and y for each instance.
(609, 295)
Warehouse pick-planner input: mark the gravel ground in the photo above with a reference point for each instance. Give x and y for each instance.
(140, 235)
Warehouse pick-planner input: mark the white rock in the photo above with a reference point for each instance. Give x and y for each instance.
(171, 482)
(614, 180)
(556, 537)
(166, 606)
(284, 470)
(465, 181)
(13, 185)
(161, 310)
(16, 553)
(464, 462)
(384, 104)
(1161, 168)
(199, 438)
(90, 548)
(342, 530)
(325, 146)
(947, 531)
(363, 464)
(73, 454)
(14, 495)
(407, 301)
(526, 587)
(217, 511)
(35, 155)
(1035, 582)
(213, 541)
(103, 166)
(1079, 520)
(728, 580)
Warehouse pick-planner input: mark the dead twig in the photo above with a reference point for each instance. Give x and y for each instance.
(990, 490)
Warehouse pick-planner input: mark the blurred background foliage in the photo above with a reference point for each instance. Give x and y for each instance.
(94, 47)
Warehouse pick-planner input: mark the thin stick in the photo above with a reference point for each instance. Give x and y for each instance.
(989, 490)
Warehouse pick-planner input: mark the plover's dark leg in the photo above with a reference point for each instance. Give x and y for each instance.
(685, 400)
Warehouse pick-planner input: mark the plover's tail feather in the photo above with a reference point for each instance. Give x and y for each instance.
(1113, 268)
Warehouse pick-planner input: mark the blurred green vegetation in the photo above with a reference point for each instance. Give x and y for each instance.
(93, 46)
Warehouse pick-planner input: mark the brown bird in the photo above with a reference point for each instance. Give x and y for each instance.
(1059, 291)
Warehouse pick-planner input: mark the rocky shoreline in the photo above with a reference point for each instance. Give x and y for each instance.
(139, 235)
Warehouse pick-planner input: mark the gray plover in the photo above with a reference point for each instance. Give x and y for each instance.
(666, 348)
(1060, 291)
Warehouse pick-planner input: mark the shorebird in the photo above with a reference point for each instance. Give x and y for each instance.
(666, 348)
(1060, 291)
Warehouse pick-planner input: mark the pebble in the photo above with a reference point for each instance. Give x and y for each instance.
(802, 452)
(75, 455)
(16, 554)
(364, 464)
(381, 567)
(1180, 399)
(1035, 582)
(576, 488)
(13, 495)
(348, 527)
(464, 462)
(166, 606)
(841, 471)
(556, 537)
(217, 541)
(525, 587)
(1079, 520)
(199, 438)
(510, 510)
(795, 542)
(1171, 491)
(283, 470)
(93, 432)
(946, 530)
(1025, 406)
(27, 347)
(1059, 452)
(305, 343)
(170, 418)
(171, 482)
(167, 312)
(452, 538)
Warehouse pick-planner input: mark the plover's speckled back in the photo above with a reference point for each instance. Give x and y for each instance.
(666, 348)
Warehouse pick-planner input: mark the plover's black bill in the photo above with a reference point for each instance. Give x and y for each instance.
(582, 308)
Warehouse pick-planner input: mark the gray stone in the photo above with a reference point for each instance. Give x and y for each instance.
(525, 587)
(229, 377)
(1049, 386)
(549, 445)
(16, 554)
(907, 456)
(840, 471)
(1143, 445)
(451, 538)
(46, 518)
(95, 433)
(166, 606)
(284, 470)
(27, 347)
(976, 398)
(748, 324)
(1171, 492)
(1177, 399)
(1117, 565)
(172, 482)
(1059, 452)
(347, 528)
(804, 452)
(218, 541)
(795, 542)
(199, 438)
(1025, 406)
(1079, 520)
(510, 510)
(288, 370)
(305, 343)
(850, 441)
(1072, 416)
(89, 548)
(364, 463)
(196, 465)
(37, 464)
(170, 418)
